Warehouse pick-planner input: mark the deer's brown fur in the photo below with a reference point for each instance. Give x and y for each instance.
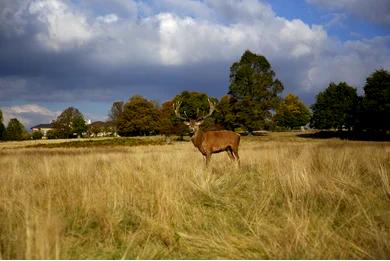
(209, 142)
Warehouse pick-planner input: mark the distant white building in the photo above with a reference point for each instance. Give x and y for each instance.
(44, 128)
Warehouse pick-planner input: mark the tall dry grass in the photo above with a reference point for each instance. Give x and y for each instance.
(290, 199)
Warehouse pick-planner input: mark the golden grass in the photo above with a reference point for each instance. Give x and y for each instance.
(292, 198)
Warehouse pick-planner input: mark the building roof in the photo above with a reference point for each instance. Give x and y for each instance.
(41, 126)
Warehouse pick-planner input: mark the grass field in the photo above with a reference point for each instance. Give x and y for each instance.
(292, 198)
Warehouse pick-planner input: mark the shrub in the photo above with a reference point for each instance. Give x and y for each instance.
(37, 135)
(52, 134)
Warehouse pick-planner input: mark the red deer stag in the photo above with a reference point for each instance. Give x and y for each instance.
(209, 142)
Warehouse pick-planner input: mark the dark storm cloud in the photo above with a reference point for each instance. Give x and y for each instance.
(69, 81)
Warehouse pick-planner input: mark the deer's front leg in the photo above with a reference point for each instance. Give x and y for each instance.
(208, 157)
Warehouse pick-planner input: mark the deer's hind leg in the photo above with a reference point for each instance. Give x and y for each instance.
(230, 153)
(236, 157)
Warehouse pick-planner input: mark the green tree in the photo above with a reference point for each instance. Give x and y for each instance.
(225, 114)
(195, 105)
(292, 113)
(37, 135)
(15, 130)
(169, 124)
(52, 134)
(100, 127)
(95, 128)
(109, 128)
(335, 107)
(2, 127)
(79, 126)
(69, 122)
(2, 131)
(376, 102)
(115, 111)
(255, 88)
(140, 117)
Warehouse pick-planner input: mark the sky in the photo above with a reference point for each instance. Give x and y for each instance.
(88, 54)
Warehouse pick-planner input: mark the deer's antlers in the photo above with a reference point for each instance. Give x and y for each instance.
(211, 110)
(176, 108)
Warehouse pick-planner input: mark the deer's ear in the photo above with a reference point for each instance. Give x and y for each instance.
(186, 123)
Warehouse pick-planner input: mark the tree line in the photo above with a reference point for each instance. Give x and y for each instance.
(253, 102)
(14, 131)
(339, 107)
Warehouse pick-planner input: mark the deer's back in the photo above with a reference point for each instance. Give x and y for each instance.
(220, 140)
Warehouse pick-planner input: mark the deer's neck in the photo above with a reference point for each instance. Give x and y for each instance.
(197, 138)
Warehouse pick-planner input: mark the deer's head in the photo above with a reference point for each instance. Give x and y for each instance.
(193, 124)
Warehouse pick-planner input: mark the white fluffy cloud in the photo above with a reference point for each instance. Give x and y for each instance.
(29, 114)
(351, 61)
(173, 39)
(64, 27)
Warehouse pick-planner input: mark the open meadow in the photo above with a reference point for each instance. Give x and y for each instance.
(291, 198)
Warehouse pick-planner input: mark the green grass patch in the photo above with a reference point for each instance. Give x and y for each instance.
(102, 143)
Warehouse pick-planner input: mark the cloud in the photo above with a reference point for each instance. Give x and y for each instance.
(377, 11)
(29, 114)
(57, 51)
(337, 19)
(9, 86)
(128, 9)
(188, 8)
(63, 27)
(108, 19)
(351, 61)
(13, 17)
